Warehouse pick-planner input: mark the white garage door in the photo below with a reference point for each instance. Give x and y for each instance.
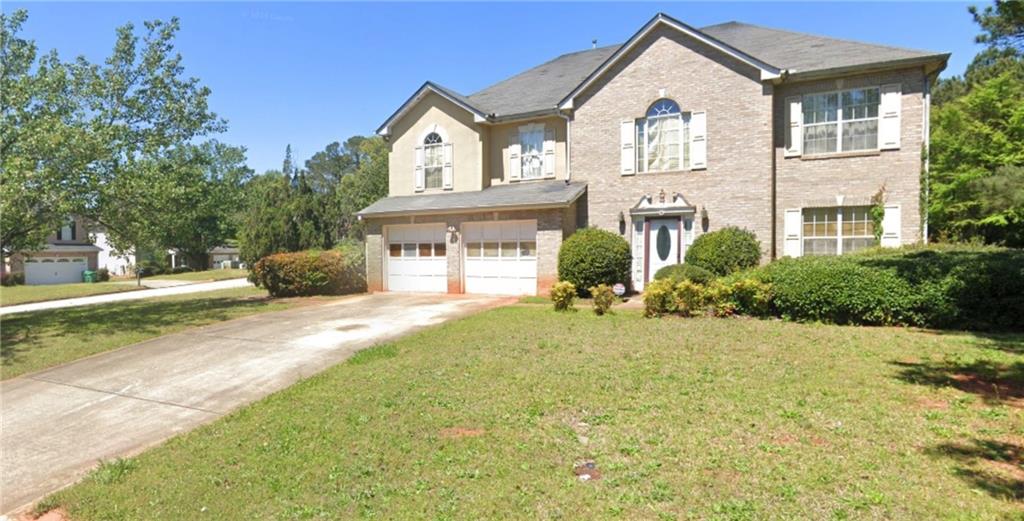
(416, 258)
(501, 257)
(54, 270)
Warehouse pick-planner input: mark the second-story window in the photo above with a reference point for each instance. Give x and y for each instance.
(67, 232)
(663, 139)
(531, 142)
(433, 161)
(844, 121)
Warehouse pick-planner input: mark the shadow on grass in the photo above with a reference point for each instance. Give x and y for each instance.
(23, 333)
(1012, 343)
(996, 383)
(990, 465)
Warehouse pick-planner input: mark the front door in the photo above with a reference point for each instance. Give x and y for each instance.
(663, 245)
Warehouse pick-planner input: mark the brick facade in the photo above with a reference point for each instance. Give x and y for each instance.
(745, 134)
(736, 186)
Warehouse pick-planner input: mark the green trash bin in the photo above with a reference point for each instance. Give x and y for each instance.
(89, 276)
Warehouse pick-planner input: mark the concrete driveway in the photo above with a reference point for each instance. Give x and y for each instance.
(58, 423)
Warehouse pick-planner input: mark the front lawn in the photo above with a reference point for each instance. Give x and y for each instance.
(204, 276)
(41, 339)
(487, 417)
(12, 295)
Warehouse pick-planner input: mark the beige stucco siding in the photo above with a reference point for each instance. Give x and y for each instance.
(736, 186)
(465, 135)
(501, 135)
(803, 181)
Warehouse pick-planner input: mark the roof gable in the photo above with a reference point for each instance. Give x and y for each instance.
(768, 71)
(430, 87)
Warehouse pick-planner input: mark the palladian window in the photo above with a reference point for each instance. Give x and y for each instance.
(662, 137)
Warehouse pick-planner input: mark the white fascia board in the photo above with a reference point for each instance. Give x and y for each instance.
(385, 128)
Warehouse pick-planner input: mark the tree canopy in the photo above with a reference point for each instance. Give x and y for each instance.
(976, 179)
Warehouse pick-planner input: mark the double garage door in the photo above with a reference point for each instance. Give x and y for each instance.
(499, 258)
(43, 270)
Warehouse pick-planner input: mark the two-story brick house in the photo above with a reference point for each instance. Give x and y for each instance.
(674, 133)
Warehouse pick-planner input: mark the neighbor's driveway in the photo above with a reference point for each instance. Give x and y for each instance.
(56, 424)
(175, 289)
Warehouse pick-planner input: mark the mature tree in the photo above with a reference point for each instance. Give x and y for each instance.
(1003, 23)
(977, 145)
(973, 137)
(196, 215)
(368, 184)
(148, 114)
(44, 146)
(264, 226)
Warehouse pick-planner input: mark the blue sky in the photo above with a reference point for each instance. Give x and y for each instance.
(312, 73)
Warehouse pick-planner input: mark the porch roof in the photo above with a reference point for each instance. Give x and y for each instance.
(522, 195)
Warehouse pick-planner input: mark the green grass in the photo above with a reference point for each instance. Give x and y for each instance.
(12, 295)
(40, 339)
(196, 276)
(684, 418)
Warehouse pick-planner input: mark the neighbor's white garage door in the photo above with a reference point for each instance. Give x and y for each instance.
(54, 270)
(501, 257)
(416, 258)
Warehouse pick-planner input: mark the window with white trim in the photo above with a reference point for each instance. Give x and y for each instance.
(663, 138)
(837, 230)
(841, 121)
(433, 161)
(531, 151)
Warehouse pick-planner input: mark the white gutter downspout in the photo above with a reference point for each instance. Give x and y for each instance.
(926, 128)
(568, 146)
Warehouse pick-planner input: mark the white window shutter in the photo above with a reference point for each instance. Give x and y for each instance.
(891, 222)
(698, 140)
(890, 106)
(418, 174)
(794, 126)
(446, 172)
(791, 233)
(515, 163)
(549, 152)
(627, 140)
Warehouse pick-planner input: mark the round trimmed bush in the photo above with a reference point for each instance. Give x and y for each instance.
(592, 256)
(725, 251)
(680, 272)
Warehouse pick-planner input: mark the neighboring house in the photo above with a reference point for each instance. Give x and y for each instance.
(215, 259)
(116, 264)
(677, 132)
(68, 252)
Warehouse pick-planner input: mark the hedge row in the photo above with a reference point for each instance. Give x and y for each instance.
(336, 272)
(959, 287)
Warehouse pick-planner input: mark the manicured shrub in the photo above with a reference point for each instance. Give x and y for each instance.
(181, 269)
(592, 256)
(680, 272)
(839, 290)
(12, 279)
(659, 298)
(749, 296)
(603, 298)
(306, 273)
(103, 274)
(150, 267)
(725, 251)
(563, 295)
(958, 286)
(689, 297)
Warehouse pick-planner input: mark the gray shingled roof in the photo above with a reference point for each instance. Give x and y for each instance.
(541, 88)
(802, 53)
(532, 194)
